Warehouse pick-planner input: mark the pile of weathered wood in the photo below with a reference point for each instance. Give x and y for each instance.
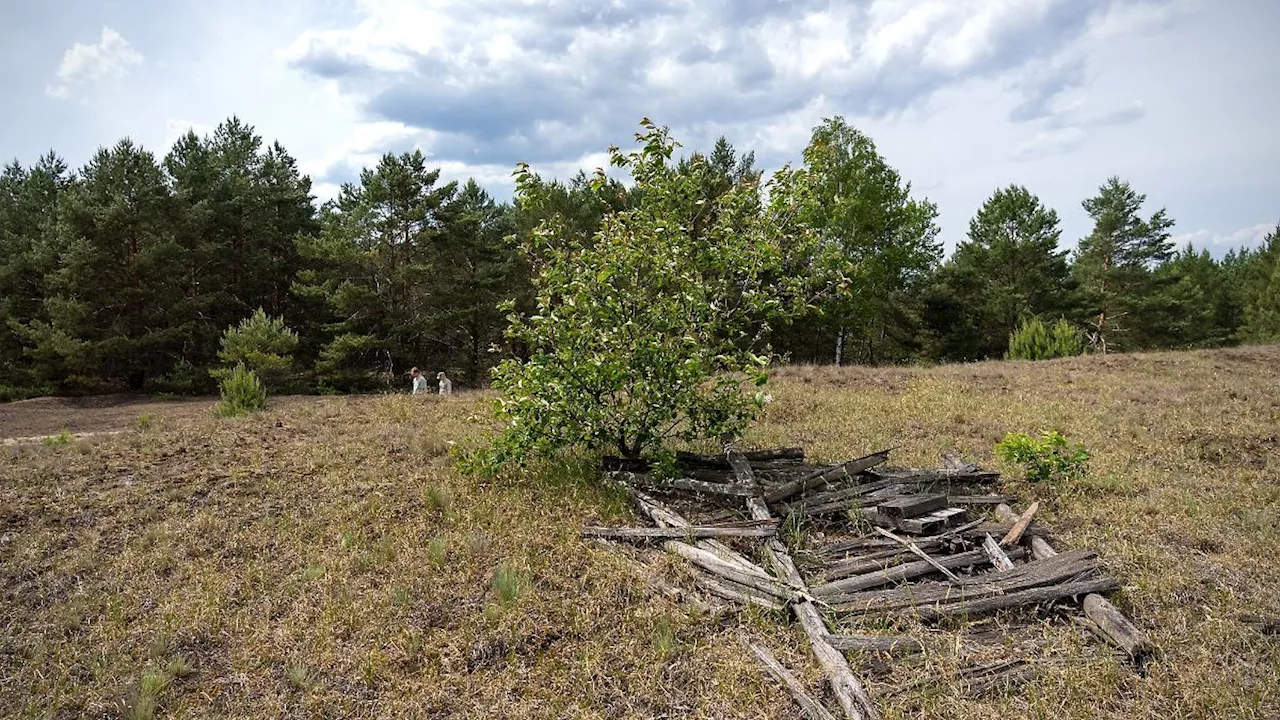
(935, 545)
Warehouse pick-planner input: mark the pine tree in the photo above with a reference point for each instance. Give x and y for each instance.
(1261, 293)
(1009, 269)
(108, 301)
(375, 265)
(1114, 263)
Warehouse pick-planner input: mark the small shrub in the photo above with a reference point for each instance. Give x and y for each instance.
(263, 344)
(437, 551)
(665, 641)
(438, 499)
(299, 678)
(1033, 340)
(143, 422)
(508, 584)
(62, 438)
(242, 393)
(1048, 458)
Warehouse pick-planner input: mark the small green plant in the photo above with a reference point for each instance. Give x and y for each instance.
(1033, 340)
(1047, 458)
(438, 499)
(665, 641)
(143, 422)
(62, 438)
(242, 393)
(508, 584)
(437, 551)
(299, 678)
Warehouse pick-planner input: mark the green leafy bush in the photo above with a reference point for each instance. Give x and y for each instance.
(261, 343)
(242, 393)
(652, 330)
(1047, 458)
(1033, 340)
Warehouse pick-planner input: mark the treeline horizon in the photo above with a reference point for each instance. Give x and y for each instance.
(125, 274)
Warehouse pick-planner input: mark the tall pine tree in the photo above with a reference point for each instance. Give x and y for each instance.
(1114, 264)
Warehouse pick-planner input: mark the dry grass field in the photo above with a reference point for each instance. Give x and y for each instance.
(323, 558)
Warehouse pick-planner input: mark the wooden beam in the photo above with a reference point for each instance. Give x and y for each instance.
(912, 506)
(756, 530)
(822, 477)
(812, 708)
(923, 555)
(849, 691)
(1015, 532)
(1117, 628)
(1023, 597)
(699, 486)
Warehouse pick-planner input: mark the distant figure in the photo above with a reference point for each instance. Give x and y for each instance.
(446, 385)
(419, 382)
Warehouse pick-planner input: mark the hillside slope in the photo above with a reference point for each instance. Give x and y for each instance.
(323, 559)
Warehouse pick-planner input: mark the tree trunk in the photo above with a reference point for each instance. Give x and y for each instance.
(839, 346)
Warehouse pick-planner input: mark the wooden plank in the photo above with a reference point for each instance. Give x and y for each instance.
(663, 516)
(737, 593)
(999, 560)
(889, 644)
(757, 530)
(713, 564)
(699, 486)
(849, 691)
(912, 506)
(899, 573)
(850, 468)
(1022, 577)
(752, 456)
(1015, 533)
(811, 707)
(1024, 597)
(923, 555)
(1117, 628)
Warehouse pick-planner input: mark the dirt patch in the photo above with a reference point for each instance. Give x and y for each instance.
(32, 420)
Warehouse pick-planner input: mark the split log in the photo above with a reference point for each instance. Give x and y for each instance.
(1024, 597)
(1106, 620)
(1015, 533)
(698, 486)
(745, 530)
(887, 644)
(912, 506)
(849, 691)
(811, 707)
(810, 504)
(818, 479)
(916, 550)
(1117, 628)
(999, 560)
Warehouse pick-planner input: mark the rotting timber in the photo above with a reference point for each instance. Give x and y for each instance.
(932, 545)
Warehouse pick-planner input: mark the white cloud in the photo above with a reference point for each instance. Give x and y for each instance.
(82, 64)
(174, 129)
(1219, 243)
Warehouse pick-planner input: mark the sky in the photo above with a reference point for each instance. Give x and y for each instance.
(1179, 97)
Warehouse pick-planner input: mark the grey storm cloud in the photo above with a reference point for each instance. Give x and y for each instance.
(583, 77)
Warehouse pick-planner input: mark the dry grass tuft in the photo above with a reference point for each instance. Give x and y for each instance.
(324, 559)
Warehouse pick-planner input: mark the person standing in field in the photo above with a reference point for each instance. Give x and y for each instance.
(419, 382)
(446, 385)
